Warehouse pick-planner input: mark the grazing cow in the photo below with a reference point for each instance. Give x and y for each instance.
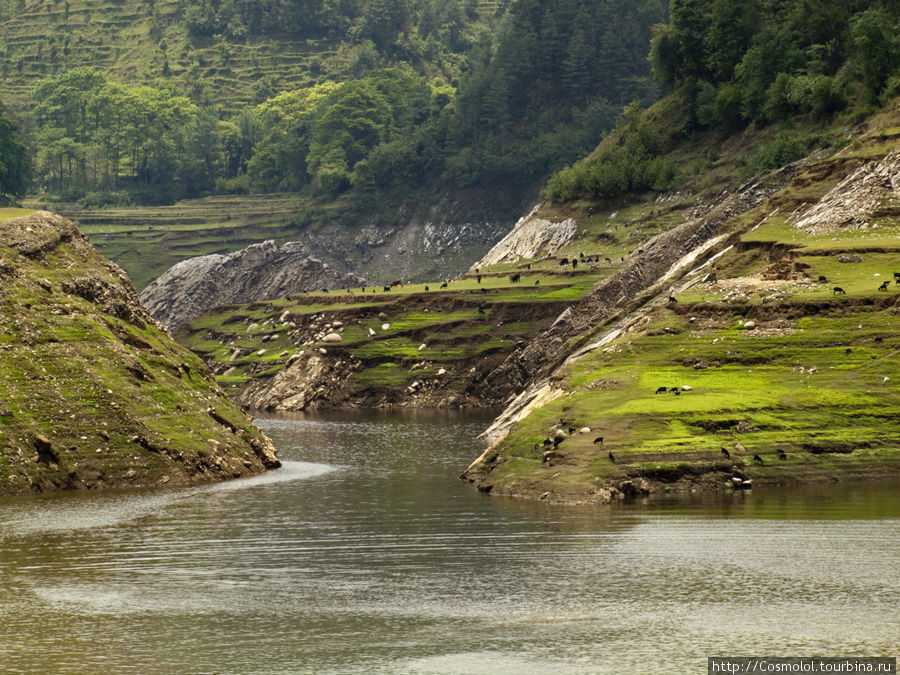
(662, 390)
(848, 351)
(563, 262)
(897, 275)
(599, 440)
(781, 454)
(574, 264)
(611, 458)
(838, 290)
(514, 278)
(672, 299)
(528, 266)
(758, 459)
(823, 278)
(673, 390)
(396, 282)
(884, 285)
(537, 281)
(581, 254)
(879, 339)
(427, 289)
(608, 261)
(481, 309)
(479, 278)
(726, 454)
(483, 290)
(324, 290)
(387, 289)
(444, 285)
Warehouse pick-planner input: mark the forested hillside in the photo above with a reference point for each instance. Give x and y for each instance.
(157, 101)
(740, 65)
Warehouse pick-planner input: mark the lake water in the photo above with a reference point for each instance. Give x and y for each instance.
(365, 554)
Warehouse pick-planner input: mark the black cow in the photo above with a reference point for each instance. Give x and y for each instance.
(838, 291)
(662, 390)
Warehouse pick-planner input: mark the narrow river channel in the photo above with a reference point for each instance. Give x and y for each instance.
(365, 554)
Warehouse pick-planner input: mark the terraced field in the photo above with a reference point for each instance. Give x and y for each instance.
(146, 241)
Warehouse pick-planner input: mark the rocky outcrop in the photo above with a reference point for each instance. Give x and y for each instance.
(94, 393)
(528, 238)
(258, 272)
(857, 200)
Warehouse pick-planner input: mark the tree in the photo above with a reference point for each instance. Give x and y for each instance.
(874, 36)
(14, 165)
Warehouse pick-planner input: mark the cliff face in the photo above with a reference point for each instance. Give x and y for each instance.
(258, 272)
(92, 392)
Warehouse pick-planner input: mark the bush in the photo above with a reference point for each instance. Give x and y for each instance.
(99, 199)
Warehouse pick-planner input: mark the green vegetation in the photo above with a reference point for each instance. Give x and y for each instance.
(807, 69)
(467, 325)
(364, 98)
(768, 361)
(13, 159)
(93, 395)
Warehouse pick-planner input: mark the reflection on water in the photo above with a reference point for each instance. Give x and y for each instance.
(366, 554)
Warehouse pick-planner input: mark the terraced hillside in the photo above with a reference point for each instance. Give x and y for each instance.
(772, 356)
(409, 346)
(146, 241)
(266, 354)
(147, 42)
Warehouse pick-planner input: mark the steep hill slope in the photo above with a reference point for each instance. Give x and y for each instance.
(756, 342)
(92, 393)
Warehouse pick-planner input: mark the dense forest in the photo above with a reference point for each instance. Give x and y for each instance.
(739, 63)
(403, 95)
(13, 160)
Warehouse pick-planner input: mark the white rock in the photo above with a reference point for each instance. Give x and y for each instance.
(750, 325)
(385, 326)
(252, 327)
(261, 352)
(337, 324)
(443, 371)
(323, 351)
(332, 337)
(422, 347)
(584, 430)
(371, 332)
(686, 387)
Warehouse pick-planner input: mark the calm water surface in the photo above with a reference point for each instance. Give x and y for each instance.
(365, 554)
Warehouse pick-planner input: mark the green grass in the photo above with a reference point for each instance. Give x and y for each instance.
(93, 382)
(7, 213)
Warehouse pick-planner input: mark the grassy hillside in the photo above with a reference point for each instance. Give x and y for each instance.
(465, 328)
(768, 361)
(92, 393)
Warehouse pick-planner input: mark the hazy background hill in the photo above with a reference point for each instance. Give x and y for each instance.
(156, 101)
